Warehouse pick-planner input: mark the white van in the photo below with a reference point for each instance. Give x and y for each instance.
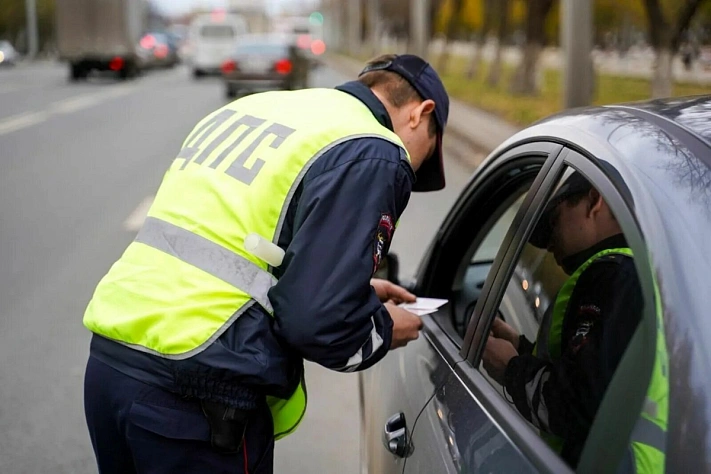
(212, 39)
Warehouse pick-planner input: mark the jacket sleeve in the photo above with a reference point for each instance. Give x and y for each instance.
(562, 398)
(324, 306)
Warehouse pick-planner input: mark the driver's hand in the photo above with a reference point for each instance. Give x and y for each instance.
(390, 292)
(501, 330)
(497, 354)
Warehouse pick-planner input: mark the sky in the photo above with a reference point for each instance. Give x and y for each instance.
(174, 7)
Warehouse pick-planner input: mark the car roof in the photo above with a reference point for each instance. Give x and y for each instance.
(692, 113)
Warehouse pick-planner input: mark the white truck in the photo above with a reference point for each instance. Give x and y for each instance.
(213, 38)
(100, 35)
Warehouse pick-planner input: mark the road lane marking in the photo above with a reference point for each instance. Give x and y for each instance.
(18, 122)
(135, 220)
(73, 104)
(10, 88)
(65, 106)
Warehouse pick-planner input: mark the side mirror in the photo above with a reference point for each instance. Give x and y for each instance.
(389, 269)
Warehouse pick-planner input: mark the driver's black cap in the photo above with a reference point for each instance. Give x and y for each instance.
(423, 78)
(575, 185)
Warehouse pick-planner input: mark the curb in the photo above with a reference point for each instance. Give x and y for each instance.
(475, 127)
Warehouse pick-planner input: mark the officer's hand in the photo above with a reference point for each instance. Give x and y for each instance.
(504, 331)
(388, 291)
(406, 326)
(497, 354)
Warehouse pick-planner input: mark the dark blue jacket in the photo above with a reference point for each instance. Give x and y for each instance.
(325, 310)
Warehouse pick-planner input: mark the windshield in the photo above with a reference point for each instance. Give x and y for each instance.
(217, 31)
(263, 49)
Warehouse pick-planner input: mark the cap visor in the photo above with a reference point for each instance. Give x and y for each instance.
(430, 176)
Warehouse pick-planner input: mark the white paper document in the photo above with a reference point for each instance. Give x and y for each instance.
(424, 306)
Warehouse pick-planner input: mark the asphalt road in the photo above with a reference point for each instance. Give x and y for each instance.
(79, 164)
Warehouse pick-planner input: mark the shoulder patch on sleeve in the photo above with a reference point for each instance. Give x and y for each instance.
(383, 236)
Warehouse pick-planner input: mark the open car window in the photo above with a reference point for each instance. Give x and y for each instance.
(563, 316)
(479, 258)
(477, 229)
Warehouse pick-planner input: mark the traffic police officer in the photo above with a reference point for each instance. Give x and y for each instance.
(558, 382)
(196, 359)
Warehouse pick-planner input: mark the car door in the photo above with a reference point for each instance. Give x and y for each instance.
(407, 379)
(453, 432)
(527, 281)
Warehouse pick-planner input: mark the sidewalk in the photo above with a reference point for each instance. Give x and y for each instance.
(474, 126)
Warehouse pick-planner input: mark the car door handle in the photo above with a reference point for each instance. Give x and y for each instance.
(396, 437)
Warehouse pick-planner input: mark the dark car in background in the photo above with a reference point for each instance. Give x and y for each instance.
(431, 407)
(159, 50)
(264, 62)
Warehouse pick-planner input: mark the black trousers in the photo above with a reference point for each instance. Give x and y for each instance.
(138, 428)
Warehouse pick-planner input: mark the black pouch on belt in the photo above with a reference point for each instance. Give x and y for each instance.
(227, 426)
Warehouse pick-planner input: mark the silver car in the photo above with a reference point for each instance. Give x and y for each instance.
(432, 407)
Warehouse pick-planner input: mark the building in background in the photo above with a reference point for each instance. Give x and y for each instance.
(254, 11)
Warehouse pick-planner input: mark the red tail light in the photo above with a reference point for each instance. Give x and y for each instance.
(229, 66)
(318, 47)
(148, 41)
(116, 64)
(161, 51)
(283, 66)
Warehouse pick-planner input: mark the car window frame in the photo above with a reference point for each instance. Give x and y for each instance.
(507, 255)
(637, 363)
(516, 152)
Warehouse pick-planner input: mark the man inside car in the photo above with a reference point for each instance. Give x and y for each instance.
(558, 383)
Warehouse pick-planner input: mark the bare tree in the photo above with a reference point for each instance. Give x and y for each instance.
(453, 24)
(395, 16)
(502, 26)
(486, 27)
(665, 35)
(524, 81)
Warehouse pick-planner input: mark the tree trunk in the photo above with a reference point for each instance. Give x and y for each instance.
(665, 36)
(502, 29)
(450, 33)
(443, 57)
(473, 69)
(495, 69)
(662, 80)
(476, 59)
(525, 80)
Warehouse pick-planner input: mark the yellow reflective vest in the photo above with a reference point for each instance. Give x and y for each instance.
(648, 441)
(187, 276)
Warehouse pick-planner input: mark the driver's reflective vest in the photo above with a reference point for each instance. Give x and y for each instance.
(648, 440)
(187, 276)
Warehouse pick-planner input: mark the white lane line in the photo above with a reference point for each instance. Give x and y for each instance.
(9, 88)
(18, 122)
(134, 221)
(65, 106)
(73, 104)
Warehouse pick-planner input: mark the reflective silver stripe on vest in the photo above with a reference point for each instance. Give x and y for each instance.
(649, 433)
(209, 257)
(650, 408)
